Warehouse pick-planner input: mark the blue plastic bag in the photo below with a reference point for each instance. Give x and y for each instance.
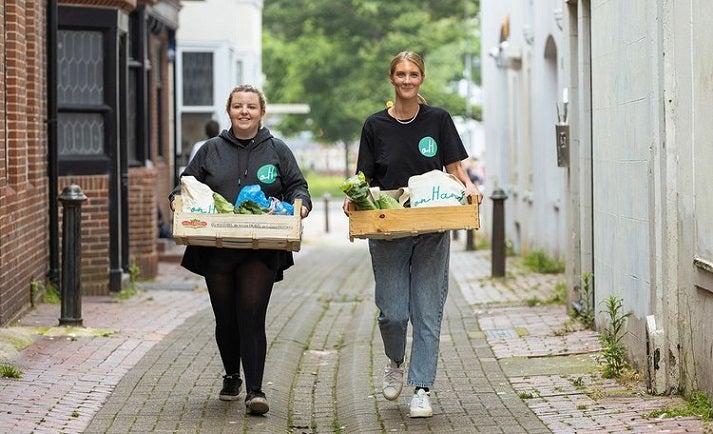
(255, 194)
(252, 193)
(282, 208)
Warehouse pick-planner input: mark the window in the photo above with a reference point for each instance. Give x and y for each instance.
(157, 67)
(134, 99)
(86, 128)
(239, 72)
(80, 89)
(132, 121)
(197, 79)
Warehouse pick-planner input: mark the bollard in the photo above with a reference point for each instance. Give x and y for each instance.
(71, 198)
(326, 212)
(470, 237)
(470, 240)
(498, 241)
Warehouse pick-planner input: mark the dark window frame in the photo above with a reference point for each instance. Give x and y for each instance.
(186, 83)
(138, 67)
(105, 22)
(158, 78)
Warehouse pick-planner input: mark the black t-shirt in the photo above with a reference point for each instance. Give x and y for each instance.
(391, 152)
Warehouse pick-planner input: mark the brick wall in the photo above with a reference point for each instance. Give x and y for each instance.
(142, 225)
(143, 222)
(163, 162)
(147, 185)
(24, 203)
(95, 234)
(24, 183)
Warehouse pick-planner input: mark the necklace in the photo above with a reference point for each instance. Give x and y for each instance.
(410, 120)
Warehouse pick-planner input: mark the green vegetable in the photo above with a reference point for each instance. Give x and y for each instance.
(222, 205)
(357, 190)
(388, 202)
(250, 207)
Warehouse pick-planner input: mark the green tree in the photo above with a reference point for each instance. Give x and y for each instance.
(334, 55)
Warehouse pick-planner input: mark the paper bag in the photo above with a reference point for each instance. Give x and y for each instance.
(196, 196)
(436, 188)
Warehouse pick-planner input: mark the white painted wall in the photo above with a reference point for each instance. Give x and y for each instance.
(236, 24)
(650, 130)
(523, 79)
(684, 242)
(625, 103)
(639, 170)
(232, 30)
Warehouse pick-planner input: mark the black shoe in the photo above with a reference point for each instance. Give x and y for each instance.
(256, 403)
(231, 387)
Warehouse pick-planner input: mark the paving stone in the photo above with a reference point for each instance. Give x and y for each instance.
(506, 366)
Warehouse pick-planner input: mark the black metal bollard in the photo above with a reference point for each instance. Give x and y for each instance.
(470, 240)
(71, 198)
(326, 212)
(498, 241)
(470, 236)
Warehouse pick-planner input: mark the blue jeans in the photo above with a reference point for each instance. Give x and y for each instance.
(411, 276)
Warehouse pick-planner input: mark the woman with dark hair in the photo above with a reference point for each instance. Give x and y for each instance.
(240, 281)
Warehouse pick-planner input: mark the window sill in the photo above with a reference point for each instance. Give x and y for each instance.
(703, 273)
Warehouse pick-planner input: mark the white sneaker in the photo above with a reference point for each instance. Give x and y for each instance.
(393, 381)
(421, 404)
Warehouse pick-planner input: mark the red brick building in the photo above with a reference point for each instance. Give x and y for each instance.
(86, 98)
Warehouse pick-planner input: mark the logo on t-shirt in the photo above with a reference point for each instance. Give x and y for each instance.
(267, 174)
(428, 146)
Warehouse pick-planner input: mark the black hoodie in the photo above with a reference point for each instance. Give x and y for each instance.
(226, 165)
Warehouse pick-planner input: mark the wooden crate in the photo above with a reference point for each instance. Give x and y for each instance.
(238, 231)
(387, 224)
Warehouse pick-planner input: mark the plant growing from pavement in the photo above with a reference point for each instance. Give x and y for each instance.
(613, 350)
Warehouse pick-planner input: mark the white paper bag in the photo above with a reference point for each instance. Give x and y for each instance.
(436, 188)
(196, 196)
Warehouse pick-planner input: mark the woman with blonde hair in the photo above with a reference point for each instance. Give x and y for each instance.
(410, 138)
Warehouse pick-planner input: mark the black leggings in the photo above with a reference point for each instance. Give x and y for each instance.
(239, 299)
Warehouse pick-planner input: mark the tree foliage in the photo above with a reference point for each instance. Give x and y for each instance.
(334, 55)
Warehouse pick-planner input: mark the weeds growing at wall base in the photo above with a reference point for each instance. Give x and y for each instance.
(614, 352)
(698, 404)
(8, 371)
(540, 262)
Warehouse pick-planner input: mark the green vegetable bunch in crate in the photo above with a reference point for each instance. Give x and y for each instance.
(246, 207)
(357, 190)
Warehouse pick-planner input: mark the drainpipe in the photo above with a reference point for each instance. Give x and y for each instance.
(123, 156)
(116, 233)
(176, 120)
(52, 163)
